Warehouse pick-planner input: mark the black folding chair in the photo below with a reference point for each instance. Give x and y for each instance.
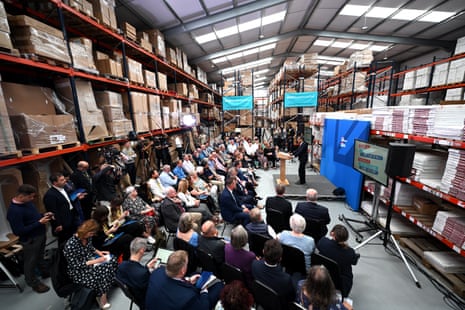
(231, 273)
(295, 306)
(333, 269)
(275, 219)
(315, 229)
(180, 244)
(208, 263)
(266, 297)
(293, 260)
(257, 242)
(128, 292)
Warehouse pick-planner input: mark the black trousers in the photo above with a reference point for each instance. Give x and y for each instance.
(302, 164)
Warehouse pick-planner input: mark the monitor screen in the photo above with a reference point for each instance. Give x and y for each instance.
(370, 160)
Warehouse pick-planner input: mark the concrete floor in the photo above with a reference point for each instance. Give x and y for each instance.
(381, 280)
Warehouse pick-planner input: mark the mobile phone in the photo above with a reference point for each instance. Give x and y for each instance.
(157, 263)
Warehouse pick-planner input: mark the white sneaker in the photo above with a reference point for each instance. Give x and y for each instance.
(150, 240)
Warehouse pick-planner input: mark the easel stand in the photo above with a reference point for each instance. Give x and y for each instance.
(387, 234)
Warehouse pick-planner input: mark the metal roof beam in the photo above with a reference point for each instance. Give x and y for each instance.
(223, 16)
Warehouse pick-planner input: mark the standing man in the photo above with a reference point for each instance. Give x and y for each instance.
(302, 154)
(82, 179)
(57, 201)
(316, 216)
(29, 225)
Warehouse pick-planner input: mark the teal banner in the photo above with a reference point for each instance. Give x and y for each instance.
(237, 103)
(304, 99)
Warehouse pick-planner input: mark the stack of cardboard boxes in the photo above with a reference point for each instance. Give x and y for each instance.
(154, 114)
(93, 122)
(111, 104)
(104, 10)
(33, 116)
(7, 141)
(34, 37)
(107, 65)
(83, 58)
(139, 109)
(82, 6)
(5, 40)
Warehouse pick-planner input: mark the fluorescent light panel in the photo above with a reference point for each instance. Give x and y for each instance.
(354, 10)
(436, 16)
(378, 48)
(358, 46)
(408, 14)
(248, 65)
(380, 12)
(261, 71)
(260, 78)
(341, 44)
(320, 42)
(244, 53)
(253, 24)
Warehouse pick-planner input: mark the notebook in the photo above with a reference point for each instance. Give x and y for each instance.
(163, 255)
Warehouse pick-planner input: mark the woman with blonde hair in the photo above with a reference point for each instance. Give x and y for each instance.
(88, 266)
(192, 204)
(186, 229)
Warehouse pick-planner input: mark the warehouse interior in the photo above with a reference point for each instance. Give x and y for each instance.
(81, 78)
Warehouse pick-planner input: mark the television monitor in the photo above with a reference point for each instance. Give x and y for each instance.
(370, 160)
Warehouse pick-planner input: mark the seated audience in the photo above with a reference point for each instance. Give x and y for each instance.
(318, 292)
(281, 204)
(179, 171)
(117, 216)
(210, 243)
(204, 191)
(188, 164)
(88, 266)
(132, 273)
(140, 210)
(156, 187)
(167, 178)
(269, 272)
(297, 239)
(235, 296)
(192, 204)
(337, 249)
(258, 226)
(231, 210)
(270, 154)
(172, 207)
(236, 255)
(186, 230)
(313, 212)
(168, 289)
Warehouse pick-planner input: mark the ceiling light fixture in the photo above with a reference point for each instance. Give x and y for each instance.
(364, 27)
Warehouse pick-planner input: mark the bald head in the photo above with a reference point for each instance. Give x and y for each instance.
(209, 229)
(82, 165)
(312, 195)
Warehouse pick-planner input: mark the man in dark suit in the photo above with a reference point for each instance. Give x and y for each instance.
(81, 179)
(281, 204)
(171, 209)
(210, 243)
(57, 201)
(302, 154)
(231, 210)
(133, 273)
(168, 289)
(270, 273)
(314, 214)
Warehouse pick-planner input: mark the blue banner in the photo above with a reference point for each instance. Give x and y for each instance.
(304, 99)
(237, 103)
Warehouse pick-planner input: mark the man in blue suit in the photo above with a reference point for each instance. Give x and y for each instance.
(231, 210)
(168, 289)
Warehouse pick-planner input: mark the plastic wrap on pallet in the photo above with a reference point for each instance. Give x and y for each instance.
(83, 58)
(361, 59)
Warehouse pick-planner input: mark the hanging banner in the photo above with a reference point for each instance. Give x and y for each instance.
(304, 99)
(237, 103)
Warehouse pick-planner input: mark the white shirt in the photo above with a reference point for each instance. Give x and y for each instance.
(156, 188)
(63, 192)
(188, 166)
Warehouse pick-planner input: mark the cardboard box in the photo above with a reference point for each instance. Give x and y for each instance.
(172, 104)
(11, 179)
(104, 10)
(23, 21)
(93, 125)
(174, 119)
(149, 79)
(5, 40)
(153, 103)
(108, 98)
(135, 73)
(38, 131)
(179, 88)
(162, 81)
(28, 99)
(155, 120)
(171, 56)
(141, 122)
(81, 49)
(120, 127)
(112, 113)
(139, 102)
(109, 66)
(129, 31)
(157, 39)
(85, 95)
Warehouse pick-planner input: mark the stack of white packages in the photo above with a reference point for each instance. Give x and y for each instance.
(441, 219)
(453, 180)
(400, 119)
(381, 119)
(429, 168)
(449, 122)
(404, 194)
(445, 261)
(421, 120)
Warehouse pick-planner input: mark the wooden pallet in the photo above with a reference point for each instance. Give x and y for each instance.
(46, 60)
(417, 246)
(100, 140)
(114, 77)
(9, 51)
(49, 148)
(87, 70)
(10, 155)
